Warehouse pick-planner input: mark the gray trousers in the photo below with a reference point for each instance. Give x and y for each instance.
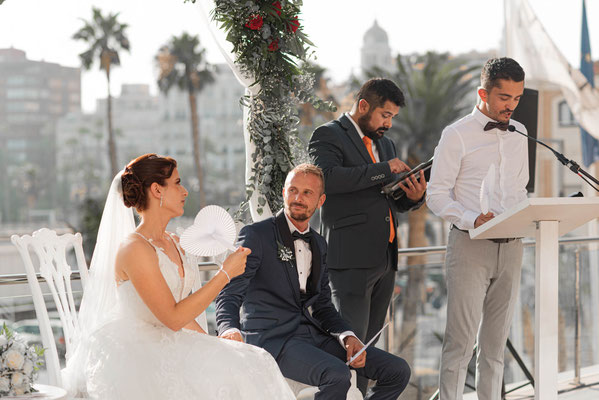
(483, 280)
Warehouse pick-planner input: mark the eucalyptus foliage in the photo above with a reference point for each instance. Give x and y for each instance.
(269, 47)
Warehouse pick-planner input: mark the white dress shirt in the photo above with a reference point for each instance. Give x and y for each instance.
(374, 150)
(462, 160)
(303, 256)
(303, 261)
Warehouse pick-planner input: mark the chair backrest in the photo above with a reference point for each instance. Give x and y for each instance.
(51, 251)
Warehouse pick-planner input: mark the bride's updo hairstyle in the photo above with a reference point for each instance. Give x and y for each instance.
(139, 176)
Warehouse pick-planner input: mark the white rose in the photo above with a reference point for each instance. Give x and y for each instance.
(21, 390)
(4, 384)
(17, 379)
(28, 367)
(3, 340)
(20, 346)
(13, 359)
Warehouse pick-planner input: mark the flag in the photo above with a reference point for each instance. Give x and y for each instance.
(527, 42)
(590, 145)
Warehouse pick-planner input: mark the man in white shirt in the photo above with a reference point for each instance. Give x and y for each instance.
(282, 302)
(483, 276)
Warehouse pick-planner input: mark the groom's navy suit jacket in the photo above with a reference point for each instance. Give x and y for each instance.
(265, 301)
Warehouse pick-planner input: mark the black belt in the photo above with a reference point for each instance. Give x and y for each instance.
(502, 240)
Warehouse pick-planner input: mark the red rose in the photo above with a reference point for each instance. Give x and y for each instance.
(277, 5)
(255, 22)
(274, 45)
(293, 24)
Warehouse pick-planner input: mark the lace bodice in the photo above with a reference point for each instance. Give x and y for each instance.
(130, 303)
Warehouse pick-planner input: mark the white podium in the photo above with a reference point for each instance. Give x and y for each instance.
(546, 219)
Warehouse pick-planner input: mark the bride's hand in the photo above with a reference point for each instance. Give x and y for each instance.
(234, 264)
(236, 336)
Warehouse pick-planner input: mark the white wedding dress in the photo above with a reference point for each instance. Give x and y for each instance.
(134, 356)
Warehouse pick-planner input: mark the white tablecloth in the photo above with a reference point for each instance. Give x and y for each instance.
(45, 392)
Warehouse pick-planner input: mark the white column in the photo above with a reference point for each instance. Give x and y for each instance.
(546, 307)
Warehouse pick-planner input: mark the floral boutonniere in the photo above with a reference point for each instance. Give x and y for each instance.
(285, 253)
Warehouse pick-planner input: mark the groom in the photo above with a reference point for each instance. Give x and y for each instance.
(285, 301)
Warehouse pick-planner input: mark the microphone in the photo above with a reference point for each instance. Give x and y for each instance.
(573, 166)
(557, 154)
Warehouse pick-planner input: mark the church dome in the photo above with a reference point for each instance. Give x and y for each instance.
(375, 34)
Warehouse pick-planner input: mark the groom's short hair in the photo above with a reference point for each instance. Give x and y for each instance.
(311, 169)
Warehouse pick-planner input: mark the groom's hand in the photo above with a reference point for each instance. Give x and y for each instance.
(233, 336)
(353, 345)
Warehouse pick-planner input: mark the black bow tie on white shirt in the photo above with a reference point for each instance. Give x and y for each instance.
(302, 236)
(499, 125)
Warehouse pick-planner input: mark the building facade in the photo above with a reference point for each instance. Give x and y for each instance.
(147, 123)
(33, 96)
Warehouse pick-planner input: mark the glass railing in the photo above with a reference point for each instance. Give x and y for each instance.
(419, 339)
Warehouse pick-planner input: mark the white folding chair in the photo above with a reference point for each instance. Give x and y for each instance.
(307, 392)
(51, 251)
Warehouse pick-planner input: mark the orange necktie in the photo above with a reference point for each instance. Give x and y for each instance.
(368, 143)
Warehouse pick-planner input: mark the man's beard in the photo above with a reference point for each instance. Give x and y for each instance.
(364, 122)
(501, 115)
(300, 216)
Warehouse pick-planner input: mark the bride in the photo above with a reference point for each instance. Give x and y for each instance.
(139, 337)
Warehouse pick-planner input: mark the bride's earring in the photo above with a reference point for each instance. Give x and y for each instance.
(160, 200)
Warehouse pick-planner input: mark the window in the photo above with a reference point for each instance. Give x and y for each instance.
(22, 93)
(15, 80)
(566, 118)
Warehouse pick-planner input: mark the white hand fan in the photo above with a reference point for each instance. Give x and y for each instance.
(487, 187)
(213, 232)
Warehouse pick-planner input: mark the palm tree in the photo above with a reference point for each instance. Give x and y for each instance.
(181, 62)
(436, 86)
(105, 36)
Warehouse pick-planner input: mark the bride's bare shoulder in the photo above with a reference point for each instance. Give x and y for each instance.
(135, 247)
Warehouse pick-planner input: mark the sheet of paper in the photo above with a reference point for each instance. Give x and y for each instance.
(351, 360)
(487, 188)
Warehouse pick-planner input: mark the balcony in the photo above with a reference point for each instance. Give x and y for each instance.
(578, 325)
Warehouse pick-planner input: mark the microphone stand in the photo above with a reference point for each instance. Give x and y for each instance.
(571, 165)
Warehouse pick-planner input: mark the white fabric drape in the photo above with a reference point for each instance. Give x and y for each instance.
(99, 299)
(528, 43)
(251, 91)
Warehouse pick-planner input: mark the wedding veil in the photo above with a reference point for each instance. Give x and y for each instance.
(99, 300)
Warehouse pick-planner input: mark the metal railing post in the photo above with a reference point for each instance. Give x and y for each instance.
(577, 326)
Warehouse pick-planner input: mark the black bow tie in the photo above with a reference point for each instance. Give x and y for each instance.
(302, 236)
(499, 125)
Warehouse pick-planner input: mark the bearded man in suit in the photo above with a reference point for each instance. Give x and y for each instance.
(282, 302)
(358, 221)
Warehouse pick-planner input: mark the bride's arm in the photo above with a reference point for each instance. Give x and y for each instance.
(139, 262)
(194, 326)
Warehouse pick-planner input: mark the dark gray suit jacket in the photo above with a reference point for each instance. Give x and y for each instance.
(355, 215)
(268, 292)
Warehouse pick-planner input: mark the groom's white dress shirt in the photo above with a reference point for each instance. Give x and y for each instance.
(303, 258)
